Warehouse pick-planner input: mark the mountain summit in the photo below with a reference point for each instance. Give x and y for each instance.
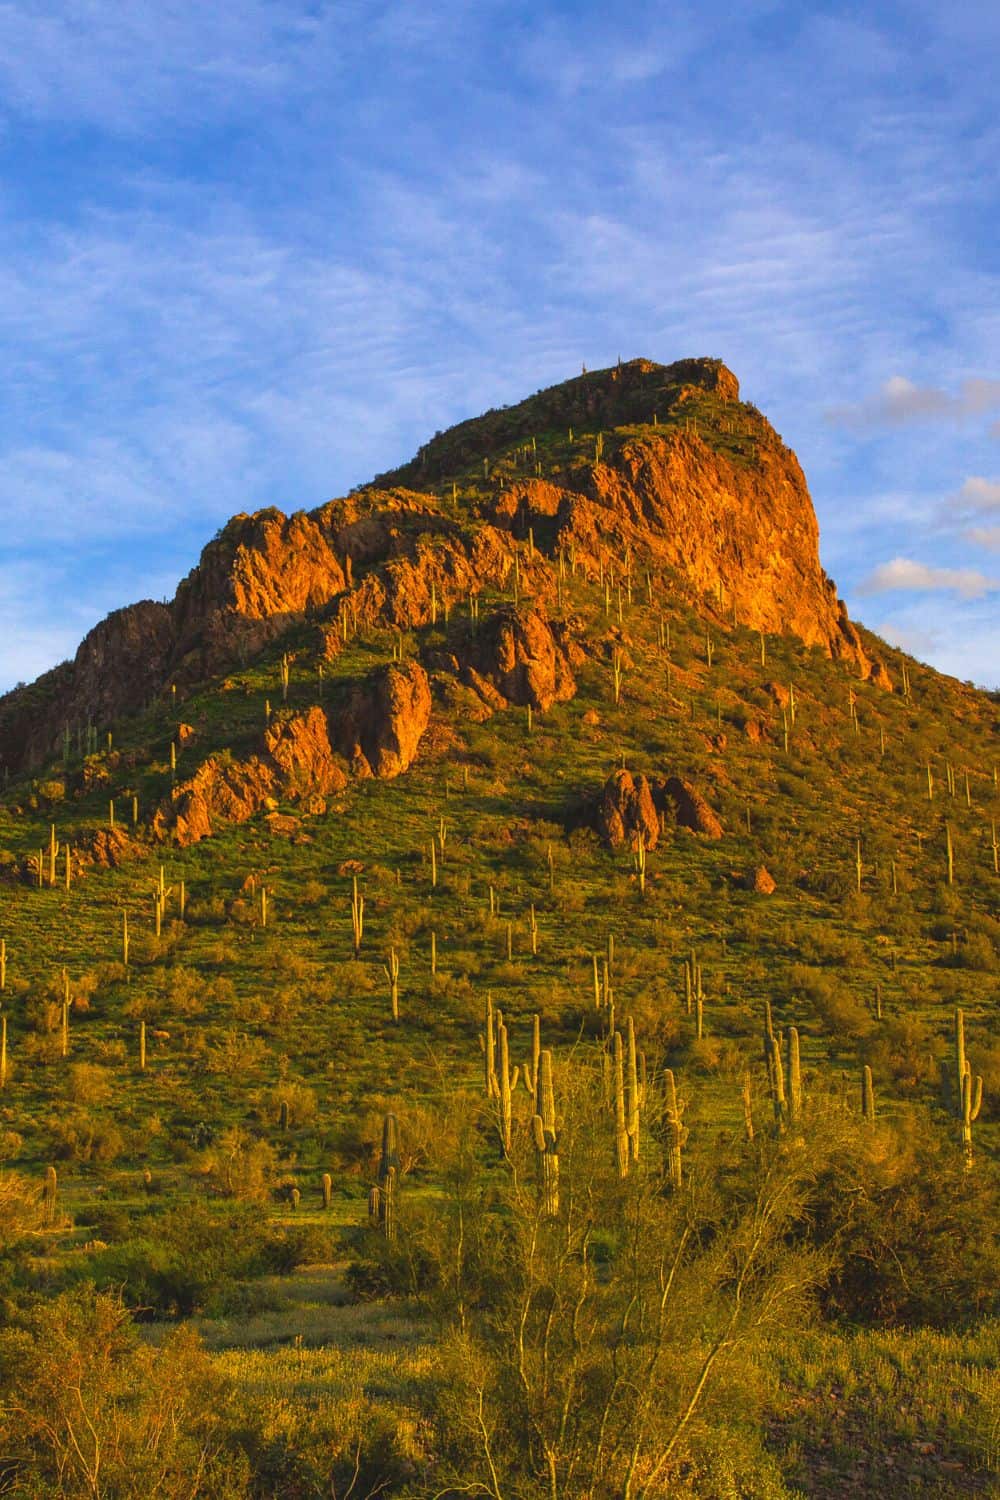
(637, 475)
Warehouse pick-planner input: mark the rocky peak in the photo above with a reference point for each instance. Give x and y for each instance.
(643, 470)
(618, 397)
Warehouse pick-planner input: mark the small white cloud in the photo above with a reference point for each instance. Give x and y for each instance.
(903, 573)
(919, 643)
(899, 400)
(979, 497)
(984, 536)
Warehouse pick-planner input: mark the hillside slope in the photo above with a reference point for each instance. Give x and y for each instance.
(550, 746)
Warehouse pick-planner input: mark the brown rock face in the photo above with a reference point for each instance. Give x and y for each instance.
(262, 574)
(299, 746)
(743, 534)
(296, 763)
(627, 810)
(521, 658)
(385, 718)
(219, 791)
(690, 810)
(761, 881)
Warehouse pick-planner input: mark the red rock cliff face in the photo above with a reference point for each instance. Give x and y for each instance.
(743, 536)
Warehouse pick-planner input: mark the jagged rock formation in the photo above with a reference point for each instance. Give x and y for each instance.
(683, 482)
(627, 810)
(384, 720)
(630, 805)
(520, 658)
(378, 732)
(690, 810)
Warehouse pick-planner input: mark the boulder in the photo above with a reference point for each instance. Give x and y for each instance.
(299, 745)
(296, 763)
(523, 658)
(761, 881)
(688, 806)
(626, 810)
(384, 719)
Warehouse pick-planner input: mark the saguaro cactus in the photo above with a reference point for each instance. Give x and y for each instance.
(391, 971)
(50, 1194)
(382, 1204)
(748, 1106)
(543, 1130)
(530, 1069)
(675, 1132)
(775, 1071)
(867, 1095)
(65, 1014)
(507, 1082)
(622, 1154)
(794, 1076)
(633, 1096)
(968, 1091)
(357, 916)
(487, 1041)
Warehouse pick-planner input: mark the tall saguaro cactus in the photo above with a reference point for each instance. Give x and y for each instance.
(530, 1070)
(50, 1194)
(507, 1081)
(622, 1154)
(632, 1094)
(967, 1092)
(543, 1130)
(357, 916)
(488, 1041)
(794, 1077)
(382, 1200)
(675, 1132)
(775, 1071)
(391, 969)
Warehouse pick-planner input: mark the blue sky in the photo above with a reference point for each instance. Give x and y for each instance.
(254, 253)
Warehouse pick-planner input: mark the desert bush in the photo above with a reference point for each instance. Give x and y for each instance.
(76, 1135)
(87, 1410)
(841, 1014)
(199, 1258)
(239, 1166)
(20, 1207)
(904, 1048)
(912, 1232)
(299, 1098)
(88, 1084)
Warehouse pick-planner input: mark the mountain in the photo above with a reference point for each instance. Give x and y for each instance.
(514, 971)
(645, 467)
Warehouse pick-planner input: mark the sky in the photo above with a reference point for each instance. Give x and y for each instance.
(252, 254)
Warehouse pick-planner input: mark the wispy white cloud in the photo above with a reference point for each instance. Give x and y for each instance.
(984, 536)
(978, 497)
(900, 401)
(125, 66)
(903, 573)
